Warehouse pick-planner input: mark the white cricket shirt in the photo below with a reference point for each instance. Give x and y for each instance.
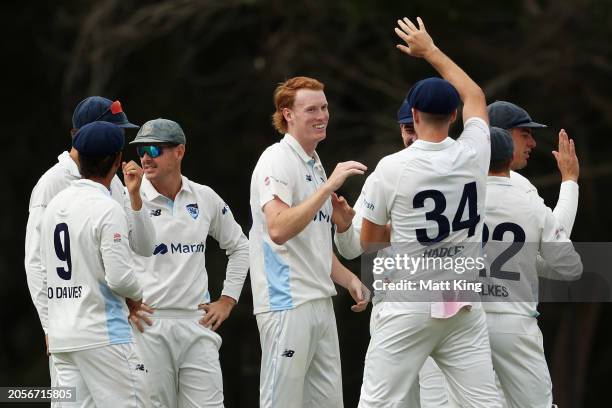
(56, 179)
(175, 277)
(433, 195)
(348, 242)
(567, 204)
(285, 276)
(515, 216)
(88, 270)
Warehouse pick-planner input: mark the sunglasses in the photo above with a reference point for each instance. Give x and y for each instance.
(152, 150)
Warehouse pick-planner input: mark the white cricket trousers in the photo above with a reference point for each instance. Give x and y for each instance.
(518, 359)
(104, 377)
(182, 357)
(300, 361)
(400, 345)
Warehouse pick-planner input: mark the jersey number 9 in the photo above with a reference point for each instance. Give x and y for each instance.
(63, 250)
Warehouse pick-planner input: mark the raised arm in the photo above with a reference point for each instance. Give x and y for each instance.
(419, 44)
(141, 232)
(285, 222)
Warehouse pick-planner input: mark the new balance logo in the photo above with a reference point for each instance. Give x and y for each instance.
(156, 213)
(141, 367)
(288, 353)
(308, 177)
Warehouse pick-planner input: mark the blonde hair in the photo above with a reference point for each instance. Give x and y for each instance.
(284, 97)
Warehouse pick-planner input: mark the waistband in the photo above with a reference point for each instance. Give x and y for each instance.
(177, 314)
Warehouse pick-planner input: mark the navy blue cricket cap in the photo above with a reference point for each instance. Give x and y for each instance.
(97, 108)
(99, 139)
(433, 95)
(507, 115)
(404, 114)
(501, 145)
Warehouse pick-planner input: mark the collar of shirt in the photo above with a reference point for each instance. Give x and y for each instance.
(66, 162)
(151, 193)
(501, 181)
(424, 145)
(297, 147)
(92, 184)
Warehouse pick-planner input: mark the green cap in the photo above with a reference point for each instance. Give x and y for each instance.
(160, 131)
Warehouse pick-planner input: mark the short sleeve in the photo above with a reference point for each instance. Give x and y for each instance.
(374, 199)
(476, 136)
(273, 178)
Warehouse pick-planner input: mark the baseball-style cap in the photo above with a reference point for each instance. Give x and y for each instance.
(507, 115)
(99, 139)
(160, 131)
(501, 145)
(433, 95)
(404, 114)
(97, 108)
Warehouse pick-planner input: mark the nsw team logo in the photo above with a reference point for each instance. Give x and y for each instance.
(193, 210)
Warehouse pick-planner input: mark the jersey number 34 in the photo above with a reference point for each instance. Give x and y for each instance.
(469, 198)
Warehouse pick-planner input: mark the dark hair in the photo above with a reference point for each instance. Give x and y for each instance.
(500, 166)
(436, 119)
(90, 166)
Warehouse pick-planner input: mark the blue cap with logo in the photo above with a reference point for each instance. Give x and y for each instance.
(433, 95)
(404, 114)
(97, 108)
(501, 145)
(507, 115)
(99, 139)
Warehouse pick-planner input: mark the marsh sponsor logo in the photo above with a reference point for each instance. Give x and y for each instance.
(180, 248)
(322, 216)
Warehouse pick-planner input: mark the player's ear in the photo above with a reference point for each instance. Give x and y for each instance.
(287, 114)
(416, 117)
(117, 162)
(453, 117)
(180, 151)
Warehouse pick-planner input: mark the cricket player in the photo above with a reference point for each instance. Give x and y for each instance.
(87, 276)
(431, 389)
(432, 194)
(520, 219)
(180, 347)
(293, 268)
(63, 173)
(517, 121)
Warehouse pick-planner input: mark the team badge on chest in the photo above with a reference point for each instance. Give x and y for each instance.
(193, 210)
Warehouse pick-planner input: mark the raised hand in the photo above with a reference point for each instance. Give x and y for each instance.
(567, 161)
(343, 213)
(343, 171)
(418, 42)
(132, 176)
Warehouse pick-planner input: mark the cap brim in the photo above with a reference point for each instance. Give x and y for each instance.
(530, 125)
(406, 121)
(128, 125)
(145, 140)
